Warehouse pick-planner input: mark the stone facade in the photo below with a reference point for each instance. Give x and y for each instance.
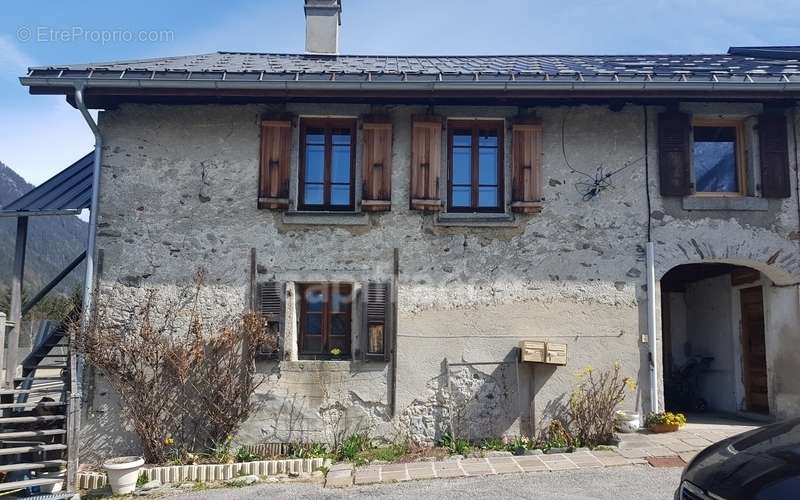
(179, 188)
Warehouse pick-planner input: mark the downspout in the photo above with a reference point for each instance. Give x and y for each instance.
(652, 347)
(651, 325)
(90, 243)
(75, 361)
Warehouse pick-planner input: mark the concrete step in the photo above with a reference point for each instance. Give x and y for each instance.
(44, 464)
(32, 390)
(17, 485)
(31, 434)
(31, 404)
(34, 448)
(30, 420)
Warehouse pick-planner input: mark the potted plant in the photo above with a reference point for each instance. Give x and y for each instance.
(123, 472)
(665, 421)
(626, 422)
(336, 353)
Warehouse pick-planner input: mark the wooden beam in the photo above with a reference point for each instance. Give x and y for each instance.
(16, 299)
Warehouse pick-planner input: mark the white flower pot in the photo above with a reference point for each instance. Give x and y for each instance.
(626, 422)
(123, 472)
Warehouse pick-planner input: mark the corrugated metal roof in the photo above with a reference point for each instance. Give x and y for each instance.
(742, 65)
(68, 191)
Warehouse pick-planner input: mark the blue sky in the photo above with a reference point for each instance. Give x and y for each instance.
(40, 135)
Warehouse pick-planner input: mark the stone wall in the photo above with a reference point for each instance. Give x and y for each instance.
(179, 188)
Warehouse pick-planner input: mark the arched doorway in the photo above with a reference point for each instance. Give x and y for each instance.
(713, 344)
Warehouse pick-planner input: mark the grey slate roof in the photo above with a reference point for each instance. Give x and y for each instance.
(68, 191)
(739, 65)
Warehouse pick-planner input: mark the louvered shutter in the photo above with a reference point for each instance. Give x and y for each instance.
(774, 155)
(674, 157)
(271, 306)
(376, 321)
(426, 159)
(273, 179)
(526, 167)
(377, 163)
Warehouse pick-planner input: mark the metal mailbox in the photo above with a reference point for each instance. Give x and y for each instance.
(537, 351)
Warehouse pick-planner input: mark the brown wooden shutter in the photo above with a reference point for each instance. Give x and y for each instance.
(526, 167)
(270, 307)
(376, 321)
(774, 155)
(426, 159)
(674, 157)
(273, 179)
(377, 158)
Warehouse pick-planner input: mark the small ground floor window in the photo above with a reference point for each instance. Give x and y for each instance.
(325, 319)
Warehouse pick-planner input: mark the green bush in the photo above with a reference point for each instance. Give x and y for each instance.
(352, 445)
(454, 446)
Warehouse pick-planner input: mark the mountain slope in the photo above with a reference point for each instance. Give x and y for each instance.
(53, 242)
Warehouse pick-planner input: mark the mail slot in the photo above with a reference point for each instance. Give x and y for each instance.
(536, 351)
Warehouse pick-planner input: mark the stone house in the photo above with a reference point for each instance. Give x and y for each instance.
(412, 220)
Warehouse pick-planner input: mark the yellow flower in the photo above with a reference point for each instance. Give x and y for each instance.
(169, 441)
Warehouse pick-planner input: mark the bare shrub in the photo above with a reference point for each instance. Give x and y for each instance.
(593, 403)
(185, 381)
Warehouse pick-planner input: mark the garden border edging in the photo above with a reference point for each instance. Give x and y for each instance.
(212, 472)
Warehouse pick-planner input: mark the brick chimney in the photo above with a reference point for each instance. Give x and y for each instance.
(323, 18)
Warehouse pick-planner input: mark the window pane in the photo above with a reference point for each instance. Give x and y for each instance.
(340, 163)
(462, 139)
(462, 196)
(313, 194)
(487, 166)
(312, 343)
(315, 136)
(339, 325)
(487, 138)
(313, 324)
(715, 159)
(341, 136)
(487, 197)
(314, 299)
(340, 300)
(340, 194)
(315, 163)
(462, 166)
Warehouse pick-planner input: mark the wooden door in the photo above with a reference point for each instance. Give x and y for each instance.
(754, 356)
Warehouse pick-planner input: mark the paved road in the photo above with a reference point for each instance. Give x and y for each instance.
(637, 482)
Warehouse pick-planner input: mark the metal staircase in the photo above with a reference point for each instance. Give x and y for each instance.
(33, 417)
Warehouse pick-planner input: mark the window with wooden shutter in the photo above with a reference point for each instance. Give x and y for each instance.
(774, 155)
(273, 182)
(377, 159)
(426, 159)
(674, 156)
(270, 308)
(526, 167)
(376, 320)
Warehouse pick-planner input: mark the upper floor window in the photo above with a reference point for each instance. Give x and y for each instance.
(475, 180)
(718, 158)
(327, 164)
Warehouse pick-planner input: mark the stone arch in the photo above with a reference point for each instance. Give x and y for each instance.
(777, 258)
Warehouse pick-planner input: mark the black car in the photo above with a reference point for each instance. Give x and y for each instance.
(761, 464)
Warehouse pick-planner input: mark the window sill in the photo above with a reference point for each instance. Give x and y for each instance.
(726, 203)
(326, 218)
(475, 220)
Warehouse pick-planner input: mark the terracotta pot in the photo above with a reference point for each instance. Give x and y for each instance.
(659, 428)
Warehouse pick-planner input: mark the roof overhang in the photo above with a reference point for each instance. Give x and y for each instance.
(66, 193)
(104, 92)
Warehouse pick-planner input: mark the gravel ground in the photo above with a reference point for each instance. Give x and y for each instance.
(618, 483)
